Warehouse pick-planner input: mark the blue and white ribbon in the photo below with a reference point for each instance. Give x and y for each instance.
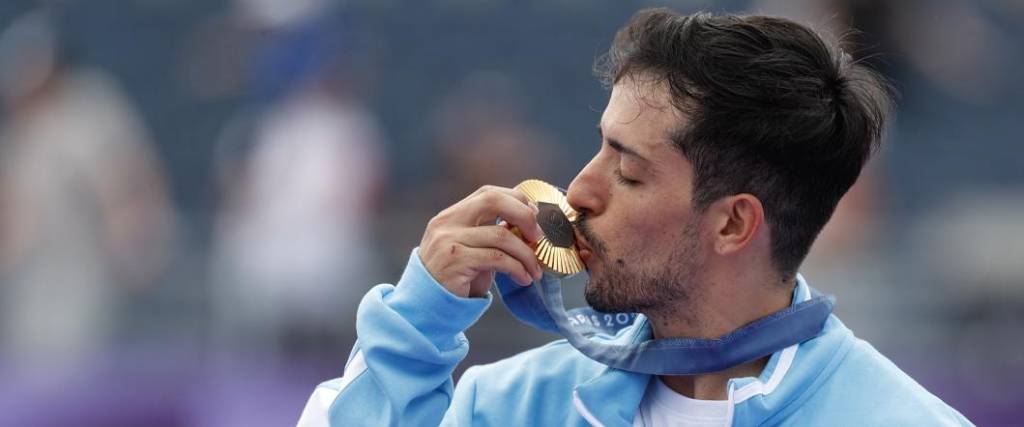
(541, 306)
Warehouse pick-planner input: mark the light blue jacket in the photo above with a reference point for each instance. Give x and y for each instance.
(411, 338)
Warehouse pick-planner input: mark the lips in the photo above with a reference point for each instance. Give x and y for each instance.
(585, 256)
(583, 248)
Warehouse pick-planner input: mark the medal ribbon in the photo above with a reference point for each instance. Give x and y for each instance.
(540, 305)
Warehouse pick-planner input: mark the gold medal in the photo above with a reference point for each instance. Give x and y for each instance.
(556, 250)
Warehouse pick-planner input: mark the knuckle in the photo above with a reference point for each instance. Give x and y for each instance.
(491, 196)
(483, 189)
(519, 194)
(441, 237)
(436, 221)
(501, 233)
(441, 234)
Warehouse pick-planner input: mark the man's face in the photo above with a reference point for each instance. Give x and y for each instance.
(639, 234)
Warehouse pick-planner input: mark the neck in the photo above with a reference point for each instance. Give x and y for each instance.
(721, 306)
(712, 386)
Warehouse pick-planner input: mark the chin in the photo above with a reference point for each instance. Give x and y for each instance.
(601, 298)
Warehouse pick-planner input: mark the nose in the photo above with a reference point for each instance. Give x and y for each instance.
(587, 194)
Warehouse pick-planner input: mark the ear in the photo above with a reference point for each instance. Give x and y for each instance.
(737, 220)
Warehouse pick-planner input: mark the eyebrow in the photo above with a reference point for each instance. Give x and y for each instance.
(621, 149)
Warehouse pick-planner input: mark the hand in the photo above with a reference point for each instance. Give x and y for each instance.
(462, 246)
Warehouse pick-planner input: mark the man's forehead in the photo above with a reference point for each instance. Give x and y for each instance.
(641, 116)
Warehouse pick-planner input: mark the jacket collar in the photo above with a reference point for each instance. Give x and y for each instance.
(612, 397)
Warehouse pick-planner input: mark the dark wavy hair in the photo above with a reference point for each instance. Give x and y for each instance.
(774, 110)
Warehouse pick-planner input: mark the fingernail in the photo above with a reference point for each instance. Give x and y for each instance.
(535, 208)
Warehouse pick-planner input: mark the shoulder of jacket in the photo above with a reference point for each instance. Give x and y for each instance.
(868, 389)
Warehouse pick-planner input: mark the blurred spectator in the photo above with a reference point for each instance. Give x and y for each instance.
(86, 215)
(482, 136)
(299, 173)
(975, 289)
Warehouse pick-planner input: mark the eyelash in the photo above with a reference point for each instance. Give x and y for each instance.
(623, 180)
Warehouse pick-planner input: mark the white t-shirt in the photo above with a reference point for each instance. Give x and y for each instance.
(662, 406)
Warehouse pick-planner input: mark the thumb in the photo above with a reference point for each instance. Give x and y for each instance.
(480, 284)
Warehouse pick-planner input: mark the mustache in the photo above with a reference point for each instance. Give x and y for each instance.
(595, 243)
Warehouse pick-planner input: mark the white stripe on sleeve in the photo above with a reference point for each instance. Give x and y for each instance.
(318, 407)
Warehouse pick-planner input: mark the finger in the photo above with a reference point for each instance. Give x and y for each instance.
(500, 237)
(487, 190)
(519, 195)
(489, 206)
(491, 259)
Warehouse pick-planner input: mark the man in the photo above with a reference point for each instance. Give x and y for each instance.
(725, 146)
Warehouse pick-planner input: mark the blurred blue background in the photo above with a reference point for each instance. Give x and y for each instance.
(195, 195)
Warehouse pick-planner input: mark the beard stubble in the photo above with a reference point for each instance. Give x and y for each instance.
(633, 286)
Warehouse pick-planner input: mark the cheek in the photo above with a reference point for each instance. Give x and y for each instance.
(647, 230)
(636, 233)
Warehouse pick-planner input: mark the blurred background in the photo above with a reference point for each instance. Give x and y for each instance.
(194, 195)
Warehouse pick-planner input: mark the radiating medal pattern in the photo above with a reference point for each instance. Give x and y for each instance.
(556, 250)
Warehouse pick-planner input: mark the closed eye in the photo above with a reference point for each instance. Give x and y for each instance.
(625, 181)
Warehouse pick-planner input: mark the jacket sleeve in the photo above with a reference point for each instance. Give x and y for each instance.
(410, 338)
